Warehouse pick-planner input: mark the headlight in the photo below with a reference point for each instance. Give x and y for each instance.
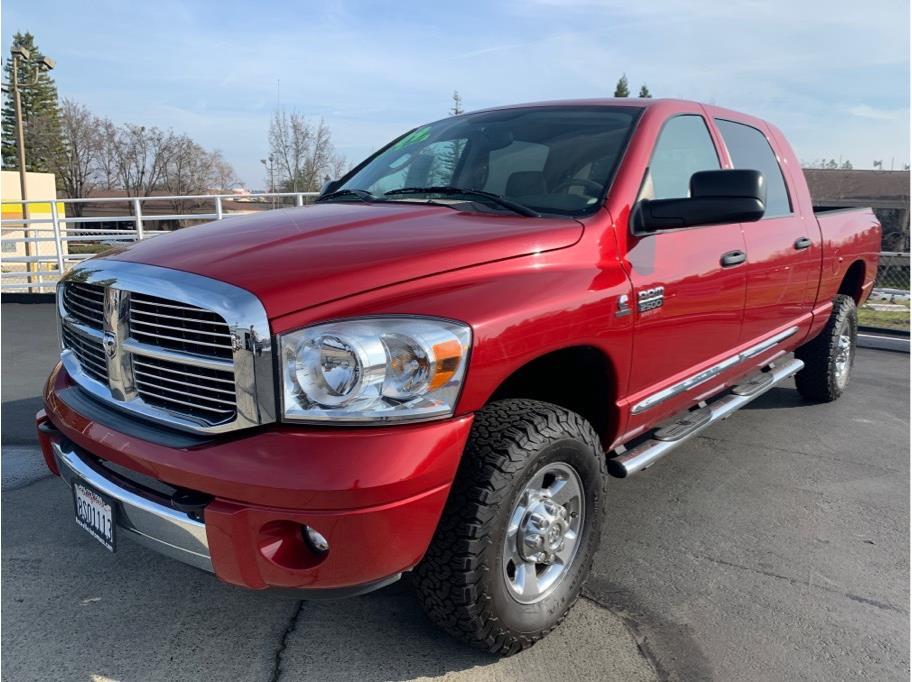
(373, 370)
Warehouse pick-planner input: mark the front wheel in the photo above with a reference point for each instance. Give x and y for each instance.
(829, 357)
(521, 526)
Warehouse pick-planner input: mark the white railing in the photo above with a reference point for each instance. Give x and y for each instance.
(36, 250)
(44, 241)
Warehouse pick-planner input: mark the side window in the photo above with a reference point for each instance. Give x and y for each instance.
(749, 148)
(683, 148)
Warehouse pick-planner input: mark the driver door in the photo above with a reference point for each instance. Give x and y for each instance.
(688, 305)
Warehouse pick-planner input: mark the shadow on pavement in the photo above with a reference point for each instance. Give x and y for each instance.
(19, 421)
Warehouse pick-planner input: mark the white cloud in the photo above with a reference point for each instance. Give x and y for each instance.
(867, 111)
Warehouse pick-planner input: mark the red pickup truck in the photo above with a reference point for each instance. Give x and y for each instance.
(437, 366)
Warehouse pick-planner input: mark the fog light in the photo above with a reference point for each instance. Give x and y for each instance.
(317, 542)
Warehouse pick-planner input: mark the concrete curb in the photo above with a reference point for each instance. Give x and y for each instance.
(889, 342)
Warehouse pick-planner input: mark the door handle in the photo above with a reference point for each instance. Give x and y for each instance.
(802, 243)
(732, 258)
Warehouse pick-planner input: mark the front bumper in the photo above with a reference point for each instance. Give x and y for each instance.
(375, 494)
(148, 521)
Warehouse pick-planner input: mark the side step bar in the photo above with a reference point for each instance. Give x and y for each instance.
(669, 437)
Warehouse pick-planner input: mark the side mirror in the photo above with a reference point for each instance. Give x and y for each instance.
(329, 186)
(716, 196)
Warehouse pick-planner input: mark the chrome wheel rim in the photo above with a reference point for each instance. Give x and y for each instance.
(543, 532)
(843, 358)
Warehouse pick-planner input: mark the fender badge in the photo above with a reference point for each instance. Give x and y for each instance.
(650, 299)
(623, 306)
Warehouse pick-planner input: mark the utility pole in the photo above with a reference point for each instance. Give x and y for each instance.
(14, 86)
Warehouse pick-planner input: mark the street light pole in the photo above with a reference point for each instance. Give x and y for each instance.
(46, 64)
(20, 148)
(270, 168)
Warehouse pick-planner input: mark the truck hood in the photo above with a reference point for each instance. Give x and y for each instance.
(300, 257)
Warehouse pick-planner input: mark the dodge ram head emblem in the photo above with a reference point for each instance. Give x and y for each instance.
(110, 344)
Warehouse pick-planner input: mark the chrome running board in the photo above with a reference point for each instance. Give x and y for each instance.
(644, 454)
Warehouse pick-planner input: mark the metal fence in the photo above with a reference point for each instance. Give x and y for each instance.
(888, 305)
(38, 249)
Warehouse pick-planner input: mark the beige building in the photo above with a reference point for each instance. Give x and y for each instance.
(12, 247)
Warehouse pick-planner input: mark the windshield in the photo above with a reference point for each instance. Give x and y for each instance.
(552, 160)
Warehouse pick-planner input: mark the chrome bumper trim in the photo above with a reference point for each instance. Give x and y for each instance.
(165, 530)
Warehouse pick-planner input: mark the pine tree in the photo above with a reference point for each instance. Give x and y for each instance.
(644, 91)
(40, 113)
(622, 89)
(456, 109)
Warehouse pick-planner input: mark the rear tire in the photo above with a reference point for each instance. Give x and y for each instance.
(520, 529)
(829, 357)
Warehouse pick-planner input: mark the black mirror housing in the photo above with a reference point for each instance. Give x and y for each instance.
(329, 186)
(717, 196)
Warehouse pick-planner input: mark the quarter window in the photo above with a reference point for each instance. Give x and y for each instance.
(749, 149)
(684, 147)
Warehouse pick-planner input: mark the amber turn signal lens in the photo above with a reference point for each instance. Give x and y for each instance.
(447, 356)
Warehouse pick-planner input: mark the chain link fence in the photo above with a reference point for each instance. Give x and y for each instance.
(888, 305)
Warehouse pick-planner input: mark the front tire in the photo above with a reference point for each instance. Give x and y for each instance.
(829, 357)
(520, 529)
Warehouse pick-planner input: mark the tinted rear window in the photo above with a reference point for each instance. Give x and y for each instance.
(749, 149)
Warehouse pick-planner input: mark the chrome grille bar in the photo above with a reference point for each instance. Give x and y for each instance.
(145, 387)
(159, 325)
(139, 361)
(89, 352)
(141, 373)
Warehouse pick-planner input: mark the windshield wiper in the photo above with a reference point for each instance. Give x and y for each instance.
(490, 196)
(361, 194)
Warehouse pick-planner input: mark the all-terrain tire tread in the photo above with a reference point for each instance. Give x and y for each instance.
(504, 433)
(817, 381)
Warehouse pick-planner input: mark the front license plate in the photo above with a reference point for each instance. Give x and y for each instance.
(95, 514)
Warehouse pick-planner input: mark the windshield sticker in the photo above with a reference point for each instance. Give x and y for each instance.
(413, 137)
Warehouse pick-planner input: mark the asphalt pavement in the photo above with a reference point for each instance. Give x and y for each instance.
(776, 547)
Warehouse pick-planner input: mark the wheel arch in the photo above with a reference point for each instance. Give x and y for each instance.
(852, 283)
(580, 378)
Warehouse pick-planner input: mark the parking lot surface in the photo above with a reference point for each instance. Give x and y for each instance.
(775, 547)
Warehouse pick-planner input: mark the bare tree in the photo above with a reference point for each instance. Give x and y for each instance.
(186, 170)
(142, 155)
(76, 164)
(222, 175)
(189, 169)
(106, 154)
(303, 153)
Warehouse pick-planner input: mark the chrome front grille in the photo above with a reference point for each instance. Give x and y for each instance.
(205, 393)
(176, 348)
(183, 328)
(90, 353)
(85, 302)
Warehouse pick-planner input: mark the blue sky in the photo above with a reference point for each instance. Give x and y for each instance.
(834, 75)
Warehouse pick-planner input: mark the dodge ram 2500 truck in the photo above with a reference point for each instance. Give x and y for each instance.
(437, 366)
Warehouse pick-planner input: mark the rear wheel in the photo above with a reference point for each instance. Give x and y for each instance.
(520, 529)
(828, 358)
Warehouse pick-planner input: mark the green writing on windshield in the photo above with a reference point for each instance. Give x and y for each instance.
(413, 137)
